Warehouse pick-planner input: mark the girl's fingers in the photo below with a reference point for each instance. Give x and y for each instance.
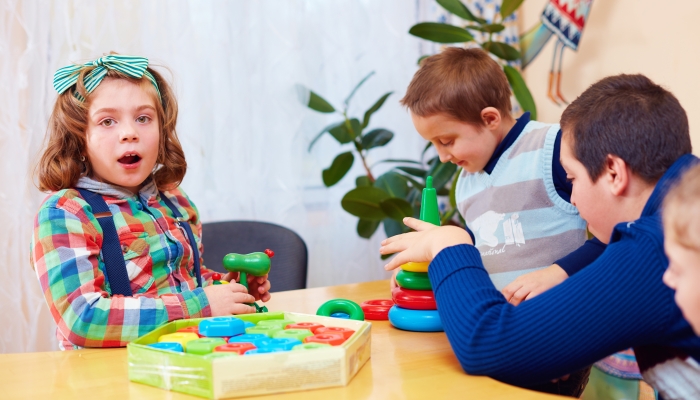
(237, 288)
(417, 224)
(395, 238)
(242, 309)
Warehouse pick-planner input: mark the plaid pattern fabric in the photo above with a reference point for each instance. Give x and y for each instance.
(65, 253)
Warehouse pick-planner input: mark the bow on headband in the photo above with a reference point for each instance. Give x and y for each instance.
(132, 66)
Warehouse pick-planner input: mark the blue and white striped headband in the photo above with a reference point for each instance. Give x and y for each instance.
(131, 66)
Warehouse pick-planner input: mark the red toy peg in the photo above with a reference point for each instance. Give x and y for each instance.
(333, 329)
(334, 339)
(377, 310)
(236, 347)
(269, 253)
(312, 326)
(216, 276)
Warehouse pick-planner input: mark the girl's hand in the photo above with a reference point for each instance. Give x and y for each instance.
(422, 245)
(229, 299)
(258, 286)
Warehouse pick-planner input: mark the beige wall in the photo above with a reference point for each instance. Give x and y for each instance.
(660, 39)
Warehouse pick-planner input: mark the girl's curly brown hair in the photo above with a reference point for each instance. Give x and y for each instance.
(60, 165)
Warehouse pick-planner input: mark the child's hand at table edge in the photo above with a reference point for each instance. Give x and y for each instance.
(423, 244)
(534, 283)
(229, 299)
(258, 286)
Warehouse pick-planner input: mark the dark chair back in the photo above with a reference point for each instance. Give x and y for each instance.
(288, 266)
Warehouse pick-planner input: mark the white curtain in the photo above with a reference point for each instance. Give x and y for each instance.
(234, 66)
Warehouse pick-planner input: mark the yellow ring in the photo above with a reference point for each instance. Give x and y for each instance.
(415, 267)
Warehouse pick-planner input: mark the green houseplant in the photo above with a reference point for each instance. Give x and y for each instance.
(446, 33)
(376, 200)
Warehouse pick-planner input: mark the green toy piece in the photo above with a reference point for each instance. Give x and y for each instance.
(341, 306)
(429, 205)
(413, 280)
(255, 264)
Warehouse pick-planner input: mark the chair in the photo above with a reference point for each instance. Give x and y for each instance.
(289, 264)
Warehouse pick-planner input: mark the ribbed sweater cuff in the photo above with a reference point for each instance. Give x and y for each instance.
(451, 259)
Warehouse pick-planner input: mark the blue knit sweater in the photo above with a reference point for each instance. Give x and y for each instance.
(617, 302)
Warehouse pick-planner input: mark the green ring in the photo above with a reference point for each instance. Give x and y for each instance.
(413, 280)
(343, 306)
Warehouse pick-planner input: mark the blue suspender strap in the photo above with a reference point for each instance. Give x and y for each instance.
(115, 266)
(184, 225)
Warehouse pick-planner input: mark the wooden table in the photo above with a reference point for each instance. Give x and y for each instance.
(404, 365)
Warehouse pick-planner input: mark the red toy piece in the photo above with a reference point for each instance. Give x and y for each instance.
(377, 310)
(269, 253)
(335, 330)
(334, 339)
(312, 326)
(235, 347)
(216, 276)
(414, 299)
(191, 329)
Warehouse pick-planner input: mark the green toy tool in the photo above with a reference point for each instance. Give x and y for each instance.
(255, 264)
(429, 205)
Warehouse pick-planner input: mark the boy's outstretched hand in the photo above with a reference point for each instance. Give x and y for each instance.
(530, 285)
(229, 299)
(258, 286)
(423, 244)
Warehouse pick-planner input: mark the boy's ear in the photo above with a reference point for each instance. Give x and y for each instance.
(491, 117)
(617, 174)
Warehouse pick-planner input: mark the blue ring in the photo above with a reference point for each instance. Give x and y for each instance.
(415, 320)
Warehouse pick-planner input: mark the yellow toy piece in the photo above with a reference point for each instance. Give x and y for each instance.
(224, 282)
(415, 267)
(179, 337)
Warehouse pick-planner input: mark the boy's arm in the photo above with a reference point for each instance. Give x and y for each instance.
(611, 305)
(65, 248)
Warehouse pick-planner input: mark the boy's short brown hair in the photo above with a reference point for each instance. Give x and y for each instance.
(460, 83)
(630, 117)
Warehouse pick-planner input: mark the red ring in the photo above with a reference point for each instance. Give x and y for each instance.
(334, 339)
(414, 299)
(377, 310)
(236, 347)
(334, 329)
(312, 326)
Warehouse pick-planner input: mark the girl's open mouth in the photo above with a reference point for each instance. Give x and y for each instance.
(129, 159)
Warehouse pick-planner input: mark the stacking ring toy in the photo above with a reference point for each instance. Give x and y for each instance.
(415, 320)
(377, 310)
(414, 299)
(341, 306)
(341, 315)
(415, 267)
(413, 280)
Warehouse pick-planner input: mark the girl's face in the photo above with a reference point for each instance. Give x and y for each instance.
(122, 133)
(683, 275)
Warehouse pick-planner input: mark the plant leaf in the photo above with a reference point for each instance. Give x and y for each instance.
(421, 58)
(376, 138)
(396, 161)
(425, 149)
(453, 192)
(373, 109)
(441, 33)
(508, 7)
(457, 8)
(520, 90)
(327, 129)
(414, 183)
(393, 228)
(364, 202)
(318, 103)
(441, 173)
(392, 183)
(417, 172)
(340, 166)
(354, 130)
(347, 101)
(488, 28)
(385, 256)
(366, 227)
(362, 180)
(502, 50)
(396, 208)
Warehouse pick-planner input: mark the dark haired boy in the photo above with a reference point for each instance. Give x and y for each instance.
(625, 144)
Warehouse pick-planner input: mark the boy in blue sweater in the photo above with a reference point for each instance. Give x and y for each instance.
(625, 143)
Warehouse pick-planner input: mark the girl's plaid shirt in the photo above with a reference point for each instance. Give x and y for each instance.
(65, 252)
